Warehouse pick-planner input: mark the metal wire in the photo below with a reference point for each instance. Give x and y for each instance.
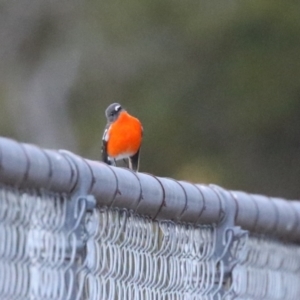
(268, 269)
(37, 256)
(136, 258)
(118, 254)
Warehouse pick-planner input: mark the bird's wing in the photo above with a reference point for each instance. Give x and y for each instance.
(104, 145)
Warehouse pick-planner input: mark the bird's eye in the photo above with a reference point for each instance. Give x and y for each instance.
(111, 114)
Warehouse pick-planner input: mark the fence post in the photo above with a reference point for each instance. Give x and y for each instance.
(80, 203)
(226, 235)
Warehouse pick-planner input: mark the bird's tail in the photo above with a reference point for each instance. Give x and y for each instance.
(134, 161)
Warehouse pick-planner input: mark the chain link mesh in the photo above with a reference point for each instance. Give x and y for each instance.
(120, 255)
(132, 257)
(37, 255)
(267, 269)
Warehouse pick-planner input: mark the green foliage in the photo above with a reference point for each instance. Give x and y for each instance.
(215, 83)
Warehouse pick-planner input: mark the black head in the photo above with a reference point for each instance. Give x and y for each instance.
(112, 112)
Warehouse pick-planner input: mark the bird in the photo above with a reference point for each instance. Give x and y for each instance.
(122, 137)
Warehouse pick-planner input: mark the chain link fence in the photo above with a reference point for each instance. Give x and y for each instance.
(71, 228)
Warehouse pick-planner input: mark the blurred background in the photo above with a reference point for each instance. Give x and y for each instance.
(215, 83)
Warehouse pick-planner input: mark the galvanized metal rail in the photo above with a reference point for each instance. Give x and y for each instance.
(27, 166)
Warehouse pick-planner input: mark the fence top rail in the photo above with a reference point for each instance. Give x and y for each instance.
(28, 166)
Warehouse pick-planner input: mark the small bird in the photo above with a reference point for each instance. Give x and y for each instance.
(122, 137)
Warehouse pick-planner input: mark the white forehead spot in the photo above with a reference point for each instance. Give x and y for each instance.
(117, 107)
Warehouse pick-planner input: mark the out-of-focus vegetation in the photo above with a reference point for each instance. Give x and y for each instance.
(216, 83)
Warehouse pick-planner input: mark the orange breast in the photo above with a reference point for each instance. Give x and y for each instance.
(125, 136)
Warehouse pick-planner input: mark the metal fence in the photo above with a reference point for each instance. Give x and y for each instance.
(72, 228)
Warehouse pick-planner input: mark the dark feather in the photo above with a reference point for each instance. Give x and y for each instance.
(134, 161)
(104, 147)
(104, 152)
